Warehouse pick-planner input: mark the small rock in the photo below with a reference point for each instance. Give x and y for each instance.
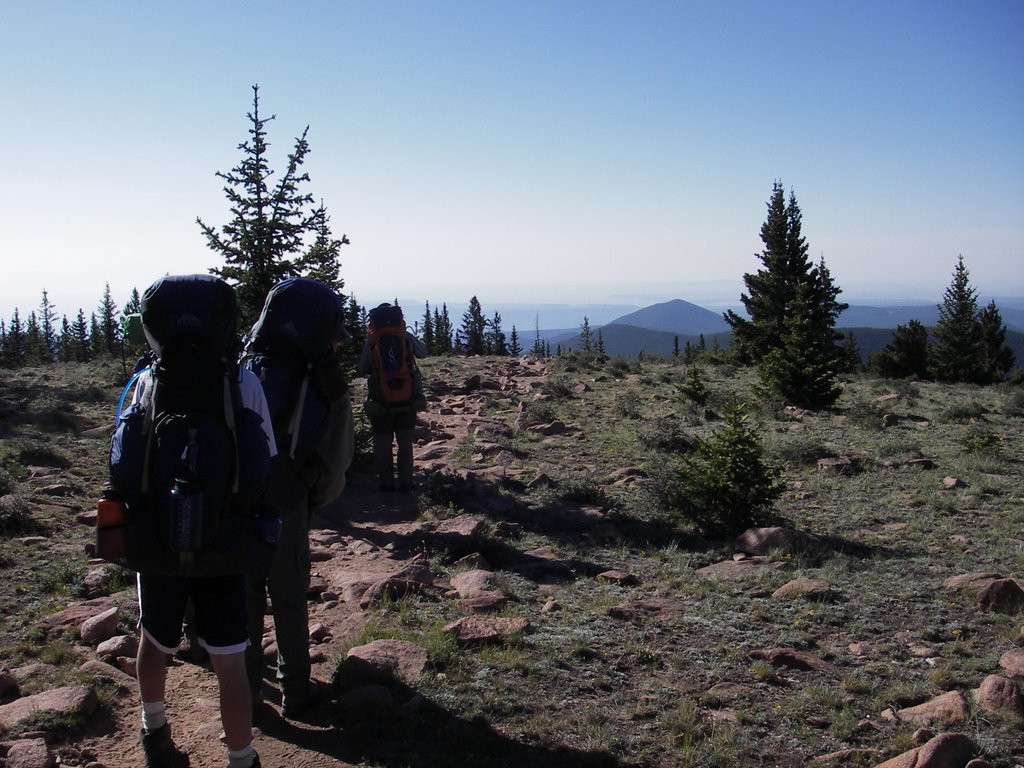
(618, 577)
(1002, 596)
(29, 753)
(948, 709)
(789, 657)
(1012, 662)
(99, 627)
(318, 633)
(120, 645)
(75, 699)
(809, 589)
(474, 630)
(943, 751)
(999, 694)
(383, 661)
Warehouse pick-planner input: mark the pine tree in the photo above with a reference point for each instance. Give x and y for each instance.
(36, 351)
(850, 360)
(14, 343)
(905, 355)
(322, 261)
(428, 331)
(496, 343)
(355, 322)
(265, 241)
(958, 348)
(800, 369)
(474, 326)
(773, 291)
(600, 343)
(47, 330)
(586, 336)
(515, 349)
(65, 342)
(106, 313)
(997, 356)
(97, 342)
(443, 330)
(134, 305)
(80, 332)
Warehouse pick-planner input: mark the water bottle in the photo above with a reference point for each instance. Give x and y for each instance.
(186, 513)
(110, 526)
(268, 528)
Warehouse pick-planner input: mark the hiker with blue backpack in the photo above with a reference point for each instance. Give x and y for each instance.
(188, 462)
(394, 393)
(293, 350)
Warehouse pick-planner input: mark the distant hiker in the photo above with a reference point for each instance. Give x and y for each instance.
(293, 349)
(188, 461)
(394, 392)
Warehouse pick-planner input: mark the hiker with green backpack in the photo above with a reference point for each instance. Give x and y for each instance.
(293, 350)
(394, 393)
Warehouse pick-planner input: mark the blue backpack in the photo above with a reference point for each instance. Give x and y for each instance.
(188, 460)
(290, 349)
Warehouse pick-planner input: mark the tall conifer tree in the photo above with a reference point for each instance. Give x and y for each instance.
(474, 326)
(265, 242)
(997, 357)
(47, 352)
(958, 349)
(772, 292)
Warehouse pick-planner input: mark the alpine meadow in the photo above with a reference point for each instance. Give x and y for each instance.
(773, 540)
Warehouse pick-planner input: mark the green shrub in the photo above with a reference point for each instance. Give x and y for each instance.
(35, 453)
(725, 486)
(16, 516)
(980, 441)
(1014, 402)
(582, 488)
(666, 434)
(538, 412)
(866, 415)
(799, 451)
(7, 482)
(627, 405)
(964, 411)
(558, 388)
(620, 367)
(693, 387)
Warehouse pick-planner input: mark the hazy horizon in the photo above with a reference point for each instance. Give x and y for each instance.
(553, 152)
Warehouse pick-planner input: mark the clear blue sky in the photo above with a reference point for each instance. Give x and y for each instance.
(554, 151)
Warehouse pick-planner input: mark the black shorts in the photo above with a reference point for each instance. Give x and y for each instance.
(219, 603)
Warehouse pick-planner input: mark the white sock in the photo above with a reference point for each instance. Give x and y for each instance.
(153, 715)
(241, 758)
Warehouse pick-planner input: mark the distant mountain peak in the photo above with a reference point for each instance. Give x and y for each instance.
(675, 316)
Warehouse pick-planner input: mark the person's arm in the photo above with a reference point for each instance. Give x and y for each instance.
(418, 347)
(253, 398)
(364, 359)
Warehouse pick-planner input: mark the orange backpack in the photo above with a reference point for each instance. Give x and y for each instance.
(391, 358)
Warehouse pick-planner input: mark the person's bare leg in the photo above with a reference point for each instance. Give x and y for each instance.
(151, 666)
(235, 702)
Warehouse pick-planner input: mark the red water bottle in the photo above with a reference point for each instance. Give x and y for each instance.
(110, 526)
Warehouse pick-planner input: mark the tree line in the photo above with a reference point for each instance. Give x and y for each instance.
(278, 230)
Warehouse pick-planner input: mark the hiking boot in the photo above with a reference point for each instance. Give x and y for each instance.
(160, 750)
(294, 707)
(255, 761)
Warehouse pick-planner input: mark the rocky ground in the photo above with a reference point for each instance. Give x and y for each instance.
(379, 553)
